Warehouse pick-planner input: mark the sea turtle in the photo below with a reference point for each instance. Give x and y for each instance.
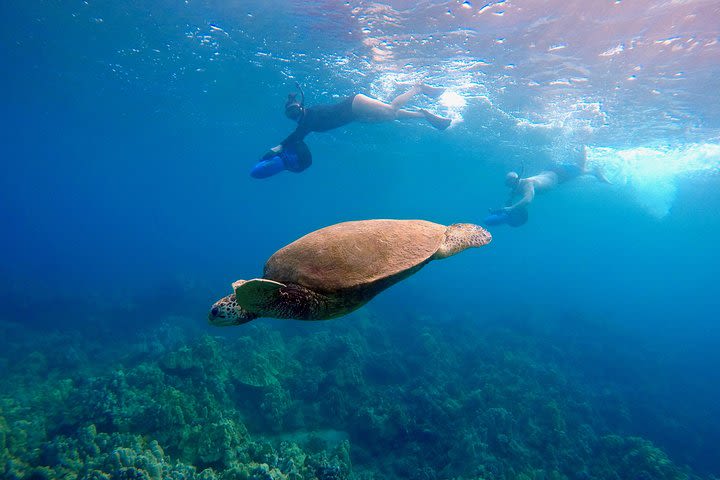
(337, 269)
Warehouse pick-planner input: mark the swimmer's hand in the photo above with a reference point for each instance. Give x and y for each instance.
(272, 152)
(499, 211)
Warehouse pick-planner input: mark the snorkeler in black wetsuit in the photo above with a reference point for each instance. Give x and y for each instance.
(319, 118)
(359, 107)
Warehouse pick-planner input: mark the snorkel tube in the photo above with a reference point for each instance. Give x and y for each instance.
(302, 94)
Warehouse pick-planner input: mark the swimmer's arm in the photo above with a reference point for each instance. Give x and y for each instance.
(526, 199)
(272, 152)
(297, 136)
(509, 200)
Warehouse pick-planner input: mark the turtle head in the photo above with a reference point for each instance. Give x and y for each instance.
(460, 236)
(226, 312)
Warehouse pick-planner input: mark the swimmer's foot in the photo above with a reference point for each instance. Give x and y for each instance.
(441, 123)
(600, 175)
(431, 91)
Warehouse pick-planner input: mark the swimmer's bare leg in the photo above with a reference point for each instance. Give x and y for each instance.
(428, 90)
(372, 110)
(441, 123)
(369, 109)
(582, 162)
(596, 172)
(404, 98)
(402, 113)
(436, 121)
(600, 175)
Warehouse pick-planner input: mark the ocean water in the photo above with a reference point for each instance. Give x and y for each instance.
(581, 345)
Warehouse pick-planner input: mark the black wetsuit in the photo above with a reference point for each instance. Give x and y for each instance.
(322, 118)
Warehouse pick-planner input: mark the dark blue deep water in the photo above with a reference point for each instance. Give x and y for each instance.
(581, 345)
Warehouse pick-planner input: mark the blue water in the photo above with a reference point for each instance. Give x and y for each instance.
(130, 129)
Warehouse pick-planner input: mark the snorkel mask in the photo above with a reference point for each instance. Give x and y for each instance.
(294, 108)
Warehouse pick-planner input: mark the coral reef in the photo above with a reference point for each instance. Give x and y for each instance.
(409, 399)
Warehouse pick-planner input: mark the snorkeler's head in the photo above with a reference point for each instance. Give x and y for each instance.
(294, 109)
(512, 179)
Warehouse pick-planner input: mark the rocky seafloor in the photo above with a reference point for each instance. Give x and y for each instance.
(363, 397)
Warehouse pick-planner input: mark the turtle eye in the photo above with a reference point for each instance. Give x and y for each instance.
(215, 311)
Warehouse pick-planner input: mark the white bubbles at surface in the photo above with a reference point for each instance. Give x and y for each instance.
(651, 173)
(454, 103)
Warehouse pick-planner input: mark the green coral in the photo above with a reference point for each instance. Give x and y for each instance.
(417, 401)
(632, 457)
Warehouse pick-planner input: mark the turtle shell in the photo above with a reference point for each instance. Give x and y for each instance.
(351, 254)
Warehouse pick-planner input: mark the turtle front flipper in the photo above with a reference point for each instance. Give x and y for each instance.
(257, 295)
(460, 236)
(267, 298)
